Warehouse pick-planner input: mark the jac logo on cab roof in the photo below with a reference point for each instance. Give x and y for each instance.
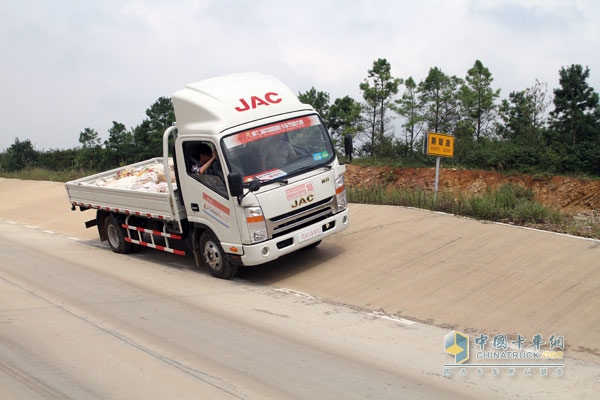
(255, 101)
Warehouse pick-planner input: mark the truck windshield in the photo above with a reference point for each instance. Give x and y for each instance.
(276, 150)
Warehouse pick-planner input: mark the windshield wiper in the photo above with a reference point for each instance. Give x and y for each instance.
(311, 167)
(282, 179)
(279, 180)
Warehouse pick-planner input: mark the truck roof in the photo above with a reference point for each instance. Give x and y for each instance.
(216, 104)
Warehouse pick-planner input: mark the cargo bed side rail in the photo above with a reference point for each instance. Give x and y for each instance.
(172, 198)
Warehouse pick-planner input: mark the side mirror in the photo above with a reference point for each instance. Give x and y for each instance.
(348, 147)
(236, 188)
(234, 180)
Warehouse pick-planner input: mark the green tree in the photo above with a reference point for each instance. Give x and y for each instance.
(119, 147)
(574, 117)
(89, 138)
(58, 159)
(378, 91)
(573, 139)
(18, 156)
(540, 102)
(317, 99)
(149, 134)
(90, 154)
(409, 107)
(477, 97)
(439, 101)
(344, 119)
(523, 116)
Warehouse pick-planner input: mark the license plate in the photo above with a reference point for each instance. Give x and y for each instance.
(310, 233)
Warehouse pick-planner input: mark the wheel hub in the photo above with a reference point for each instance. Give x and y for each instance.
(113, 236)
(212, 256)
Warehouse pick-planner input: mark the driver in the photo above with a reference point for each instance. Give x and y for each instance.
(275, 152)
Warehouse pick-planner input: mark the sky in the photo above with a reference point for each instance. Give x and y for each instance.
(67, 65)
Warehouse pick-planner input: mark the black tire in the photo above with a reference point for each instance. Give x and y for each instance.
(214, 258)
(115, 235)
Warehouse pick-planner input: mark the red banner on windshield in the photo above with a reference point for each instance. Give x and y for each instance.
(270, 130)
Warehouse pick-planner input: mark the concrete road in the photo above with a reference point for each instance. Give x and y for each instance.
(79, 322)
(457, 273)
(98, 323)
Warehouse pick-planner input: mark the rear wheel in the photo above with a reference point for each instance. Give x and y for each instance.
(116, 236)
(214, 258)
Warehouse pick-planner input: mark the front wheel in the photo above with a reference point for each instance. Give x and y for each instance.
(214, 258)
(116, 236)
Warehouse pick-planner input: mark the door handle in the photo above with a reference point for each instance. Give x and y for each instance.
(195, 207)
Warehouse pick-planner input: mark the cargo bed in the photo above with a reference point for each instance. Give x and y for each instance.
(142, 189)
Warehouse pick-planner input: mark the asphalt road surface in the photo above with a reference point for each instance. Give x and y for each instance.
(362, 316)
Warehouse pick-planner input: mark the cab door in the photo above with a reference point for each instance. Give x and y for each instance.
(205, 195)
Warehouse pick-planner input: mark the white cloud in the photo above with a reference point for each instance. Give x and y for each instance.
(110, 60)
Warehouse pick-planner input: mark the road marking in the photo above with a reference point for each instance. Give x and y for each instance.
(376, 314)
(379, 314)
(295, 293)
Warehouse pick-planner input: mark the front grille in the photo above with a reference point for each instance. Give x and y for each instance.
(298, 219)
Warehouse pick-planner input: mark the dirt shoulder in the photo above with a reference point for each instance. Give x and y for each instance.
(577, 199)
(556, 192)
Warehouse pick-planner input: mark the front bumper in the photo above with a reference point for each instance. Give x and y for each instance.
(272, 249)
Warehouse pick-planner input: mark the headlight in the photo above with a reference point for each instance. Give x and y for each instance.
(340, 193)
(256, 224)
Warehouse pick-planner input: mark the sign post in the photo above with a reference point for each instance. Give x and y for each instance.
(437, 176)
(439, 145)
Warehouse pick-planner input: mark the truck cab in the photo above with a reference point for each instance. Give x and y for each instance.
(275, 185)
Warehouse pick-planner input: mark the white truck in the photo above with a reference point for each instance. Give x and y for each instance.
(275, 186)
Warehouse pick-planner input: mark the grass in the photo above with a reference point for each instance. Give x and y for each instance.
(510, 204)
(42, 174)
